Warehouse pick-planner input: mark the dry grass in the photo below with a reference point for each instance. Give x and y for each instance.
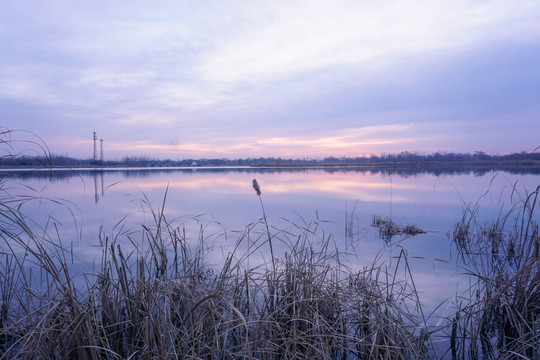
(500, 316)
(160, 299)
(388, 229)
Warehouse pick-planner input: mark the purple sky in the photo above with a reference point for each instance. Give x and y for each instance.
(193, 79)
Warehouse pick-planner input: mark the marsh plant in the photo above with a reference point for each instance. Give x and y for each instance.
(155, 294)
(161, 298)
(387, 229)
(499, 316)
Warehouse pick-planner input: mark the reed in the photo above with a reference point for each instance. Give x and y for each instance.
(500, 315)
(154, 294)
(159, 298)
(388, 228)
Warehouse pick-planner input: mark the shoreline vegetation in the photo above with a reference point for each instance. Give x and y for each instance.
(400, 165)
(478, 160)
(154, 293)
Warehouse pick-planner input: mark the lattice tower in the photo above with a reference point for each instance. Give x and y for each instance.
(95, 145)
(101, 149)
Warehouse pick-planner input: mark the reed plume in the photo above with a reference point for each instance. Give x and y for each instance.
(256, 187)
(258, 191)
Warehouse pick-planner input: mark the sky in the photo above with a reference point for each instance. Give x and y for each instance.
(293, 79)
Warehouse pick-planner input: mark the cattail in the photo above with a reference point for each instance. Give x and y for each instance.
(256, 187)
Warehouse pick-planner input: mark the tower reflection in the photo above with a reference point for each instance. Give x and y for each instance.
(99, 191)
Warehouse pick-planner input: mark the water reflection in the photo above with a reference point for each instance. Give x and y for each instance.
(384, 193)
(59, 174)
(98, 178)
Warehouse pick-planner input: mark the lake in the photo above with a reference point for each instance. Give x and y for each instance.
(337, 205)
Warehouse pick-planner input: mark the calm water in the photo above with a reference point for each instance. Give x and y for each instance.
(224, 203)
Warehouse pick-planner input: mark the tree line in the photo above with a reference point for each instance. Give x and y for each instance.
(404, 158)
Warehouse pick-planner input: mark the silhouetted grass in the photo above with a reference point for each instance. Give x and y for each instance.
(500, 315)
(155, 295)
(159, 298)
(388, 229)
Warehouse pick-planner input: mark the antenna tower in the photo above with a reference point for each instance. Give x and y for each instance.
(101, 149)
(95, 146)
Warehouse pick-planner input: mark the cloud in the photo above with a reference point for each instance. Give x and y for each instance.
(310, 36)
(252, 78)
(352, 142)
(195, 56)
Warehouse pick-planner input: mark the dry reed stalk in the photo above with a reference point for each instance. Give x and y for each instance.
(135, 309)
(388, 229)
(257, 189)
(500, 318)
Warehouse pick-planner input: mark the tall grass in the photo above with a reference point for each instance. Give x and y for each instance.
(500, 315)
(155, 294)
(160, 298)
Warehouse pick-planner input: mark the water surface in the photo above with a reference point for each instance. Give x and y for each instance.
(78, 204)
